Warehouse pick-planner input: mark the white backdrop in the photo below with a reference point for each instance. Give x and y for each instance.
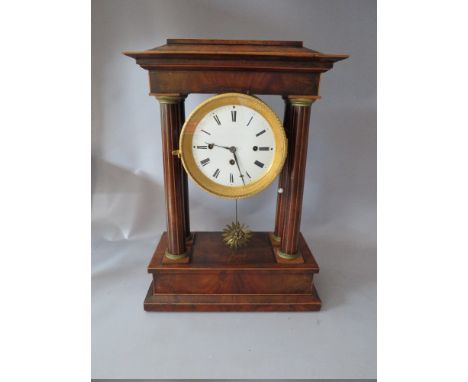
(339, 210)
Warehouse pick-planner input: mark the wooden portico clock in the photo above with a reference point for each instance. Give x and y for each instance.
(234, 146)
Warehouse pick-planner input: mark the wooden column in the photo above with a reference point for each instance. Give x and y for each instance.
(291, 204)
(187, 232)
(172, 118)
(279, 217)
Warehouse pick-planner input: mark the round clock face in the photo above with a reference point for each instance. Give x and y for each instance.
(233, 145)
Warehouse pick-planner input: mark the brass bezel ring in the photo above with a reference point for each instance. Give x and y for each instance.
(188, 161)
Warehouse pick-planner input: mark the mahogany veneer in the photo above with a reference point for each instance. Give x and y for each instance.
(198, 272)
(220, 279)
(246, 66)
(172, 119)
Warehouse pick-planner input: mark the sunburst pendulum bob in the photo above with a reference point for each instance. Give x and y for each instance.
(236, 235)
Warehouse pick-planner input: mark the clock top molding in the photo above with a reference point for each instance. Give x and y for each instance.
(184, 66)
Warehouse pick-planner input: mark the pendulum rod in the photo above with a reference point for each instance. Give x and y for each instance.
(236, 212)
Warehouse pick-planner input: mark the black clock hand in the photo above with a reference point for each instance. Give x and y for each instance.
(213, 144)
(237, 163)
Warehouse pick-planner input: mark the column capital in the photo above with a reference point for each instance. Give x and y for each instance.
(298, 100)
(169, 98)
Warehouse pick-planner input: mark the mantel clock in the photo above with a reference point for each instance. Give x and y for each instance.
(234, 146)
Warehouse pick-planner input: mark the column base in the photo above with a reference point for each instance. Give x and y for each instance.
(169, 258)
(284, 258)
(274, 240)
(189, 240)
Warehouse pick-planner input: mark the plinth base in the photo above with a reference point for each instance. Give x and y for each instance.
(221, 279)
(231, 302)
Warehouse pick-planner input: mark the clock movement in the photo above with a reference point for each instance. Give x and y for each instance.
(233, 146)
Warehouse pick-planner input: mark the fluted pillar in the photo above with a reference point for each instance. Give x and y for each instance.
(175, 180)
(187, 232)
(279, 216)
(293, 186)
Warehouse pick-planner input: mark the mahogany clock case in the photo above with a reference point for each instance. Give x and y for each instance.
(128, 208)
(193, 271)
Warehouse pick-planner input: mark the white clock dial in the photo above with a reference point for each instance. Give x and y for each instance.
(233, 145)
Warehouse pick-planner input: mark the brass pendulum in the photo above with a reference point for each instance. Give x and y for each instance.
(236, 235)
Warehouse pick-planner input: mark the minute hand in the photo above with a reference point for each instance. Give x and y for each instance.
(214, 144)
(237, 163)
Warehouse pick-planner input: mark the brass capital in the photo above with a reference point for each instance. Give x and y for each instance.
(169, 98)
(301, 100)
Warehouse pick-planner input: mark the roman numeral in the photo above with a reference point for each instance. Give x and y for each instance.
(206, 132)
(233, 115)
(250, 120)
(264, 148)
(202, 147)
(216, 118)
(204, 162)
(260, 133)
(216, 173)
(231, 178)
(259, 164)
(248, 175)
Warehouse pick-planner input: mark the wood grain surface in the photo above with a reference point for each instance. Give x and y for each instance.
(245, 279)
(214, 277)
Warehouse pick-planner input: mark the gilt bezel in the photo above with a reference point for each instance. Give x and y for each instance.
(236, 192)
